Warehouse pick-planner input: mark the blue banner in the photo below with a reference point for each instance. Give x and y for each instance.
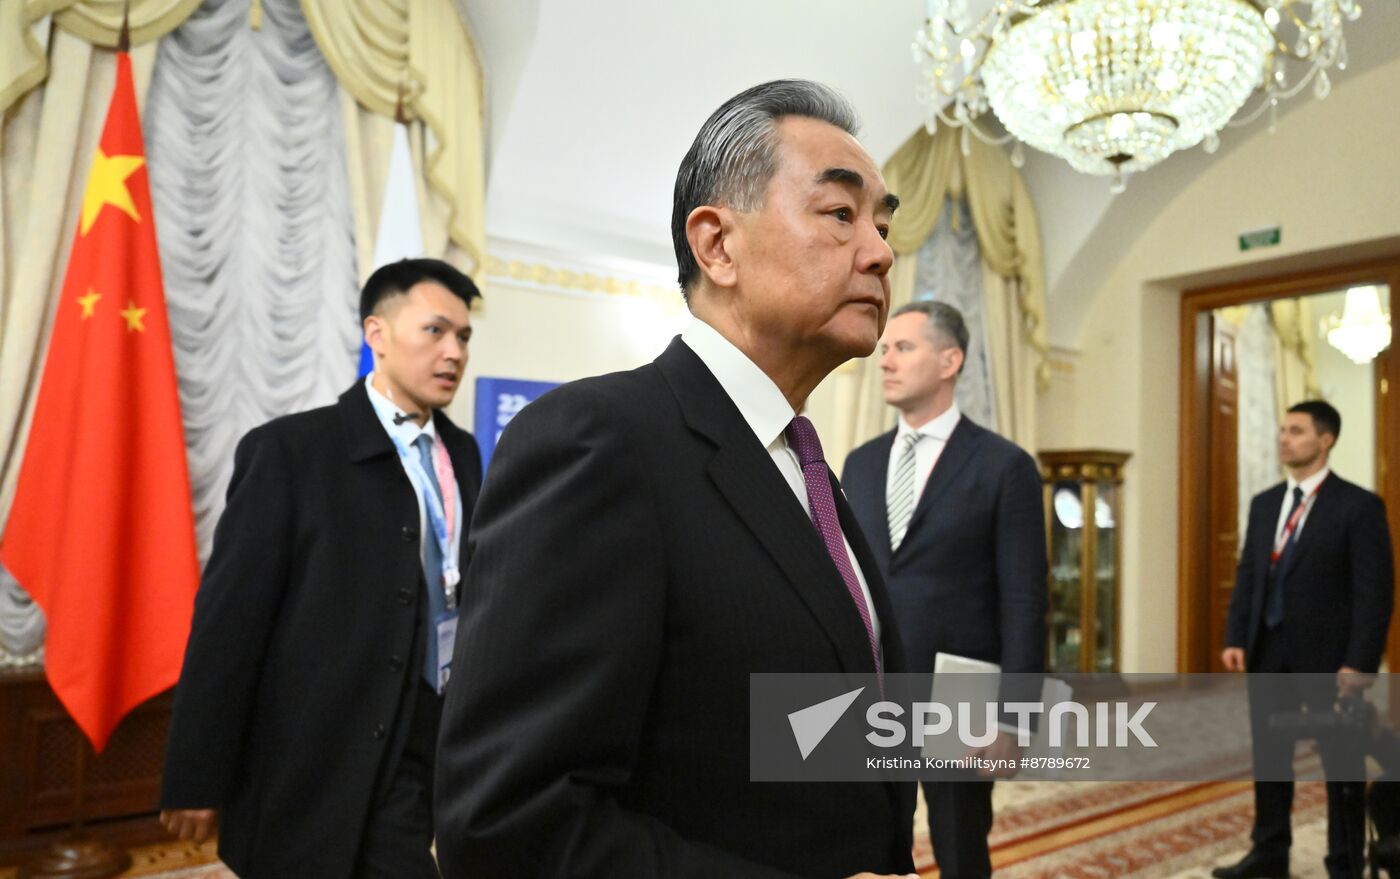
(497, 401)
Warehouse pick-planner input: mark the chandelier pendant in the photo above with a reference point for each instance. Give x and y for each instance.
(1363, 330)
(1115, 86)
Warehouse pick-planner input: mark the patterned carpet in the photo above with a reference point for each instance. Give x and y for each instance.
(1142, 830)
(1044, 830)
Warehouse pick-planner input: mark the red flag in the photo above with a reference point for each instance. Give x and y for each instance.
(101, 533)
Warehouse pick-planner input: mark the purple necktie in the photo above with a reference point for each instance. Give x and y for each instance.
(802, 436)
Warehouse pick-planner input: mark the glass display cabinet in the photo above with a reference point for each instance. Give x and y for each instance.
(1083, 506)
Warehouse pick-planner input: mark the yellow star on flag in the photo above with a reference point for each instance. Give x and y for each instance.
(133, 317)
(88, 302)
(107, 186)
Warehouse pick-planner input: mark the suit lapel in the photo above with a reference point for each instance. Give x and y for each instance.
(959, 449)
(1266, 521)
(879, 595)
(877, 495)
(743, 472)
(890, 644)
(365, 435)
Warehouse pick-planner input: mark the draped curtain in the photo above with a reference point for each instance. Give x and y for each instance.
(252, 201)
(268, 139)
(1295, 352)
(1257, 465)
(412, 58)
(926, 169)
(950, 270)
(24, 25)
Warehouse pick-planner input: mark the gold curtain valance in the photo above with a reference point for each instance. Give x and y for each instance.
(24, 61)
(927, 168)
(381, 50)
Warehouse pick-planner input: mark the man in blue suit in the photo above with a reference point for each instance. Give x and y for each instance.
(955, 517)
(1313, 595)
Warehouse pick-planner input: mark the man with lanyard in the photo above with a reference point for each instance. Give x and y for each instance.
(305, 721)
(1313, 596)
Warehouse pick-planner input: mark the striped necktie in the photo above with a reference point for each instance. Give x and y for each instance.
(436, 604)
(899, 506)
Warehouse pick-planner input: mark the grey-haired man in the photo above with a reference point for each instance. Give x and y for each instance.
(646, 541)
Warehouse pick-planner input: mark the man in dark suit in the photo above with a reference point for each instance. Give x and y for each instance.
(1313, 595)
(955, 516)
(647, 539)
(307, 711)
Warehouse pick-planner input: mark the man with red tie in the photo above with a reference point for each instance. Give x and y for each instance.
(1313, 594)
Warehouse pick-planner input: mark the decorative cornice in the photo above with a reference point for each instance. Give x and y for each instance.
(517, 264)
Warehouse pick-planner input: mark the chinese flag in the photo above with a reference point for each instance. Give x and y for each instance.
(101, 533)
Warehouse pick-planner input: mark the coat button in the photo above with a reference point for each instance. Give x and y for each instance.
(395, 663)
(379, 731)
(408, 534)
(405, 596)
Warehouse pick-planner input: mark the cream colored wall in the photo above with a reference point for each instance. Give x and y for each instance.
(1055, 415)
(1328, 176)
(546, 335)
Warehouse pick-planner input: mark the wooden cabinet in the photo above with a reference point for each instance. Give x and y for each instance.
(1083, 514)
(39, 760)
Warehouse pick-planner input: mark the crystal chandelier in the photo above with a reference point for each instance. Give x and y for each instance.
(1363, 331)
(1115, 86)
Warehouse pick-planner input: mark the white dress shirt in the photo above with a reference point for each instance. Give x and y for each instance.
(767, 413)
(1308, 485)
(935, 437)
(408, 432)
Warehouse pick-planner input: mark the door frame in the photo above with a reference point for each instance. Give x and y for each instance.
(1193, 651)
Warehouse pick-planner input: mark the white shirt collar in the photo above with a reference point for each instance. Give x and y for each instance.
(758, 399)
(939, 428)
(1310, 483)
(386, 409)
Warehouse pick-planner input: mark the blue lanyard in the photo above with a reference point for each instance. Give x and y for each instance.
(437, 519)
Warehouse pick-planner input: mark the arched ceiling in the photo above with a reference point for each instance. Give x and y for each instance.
(592, 104)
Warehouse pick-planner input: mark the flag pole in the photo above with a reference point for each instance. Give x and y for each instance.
(79, 856)
(113, 325)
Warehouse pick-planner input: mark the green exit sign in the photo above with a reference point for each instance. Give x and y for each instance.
(1260, 238)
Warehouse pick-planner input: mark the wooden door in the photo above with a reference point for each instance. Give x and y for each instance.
(1222, 484)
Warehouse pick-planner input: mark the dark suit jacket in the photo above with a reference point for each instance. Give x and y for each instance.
(1337, 580)
(635, 556)
(970, 575)
(303, 641)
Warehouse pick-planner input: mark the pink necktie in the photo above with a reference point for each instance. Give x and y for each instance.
(447, 481)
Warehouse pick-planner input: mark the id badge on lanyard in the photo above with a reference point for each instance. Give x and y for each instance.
(437, 521)
(1294, 521)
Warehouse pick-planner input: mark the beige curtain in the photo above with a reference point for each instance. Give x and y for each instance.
(418, 51)
(48, 137)
(1295, 352)
(369, 139)
(924, 171)
(1014, 364)
(23, 62)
